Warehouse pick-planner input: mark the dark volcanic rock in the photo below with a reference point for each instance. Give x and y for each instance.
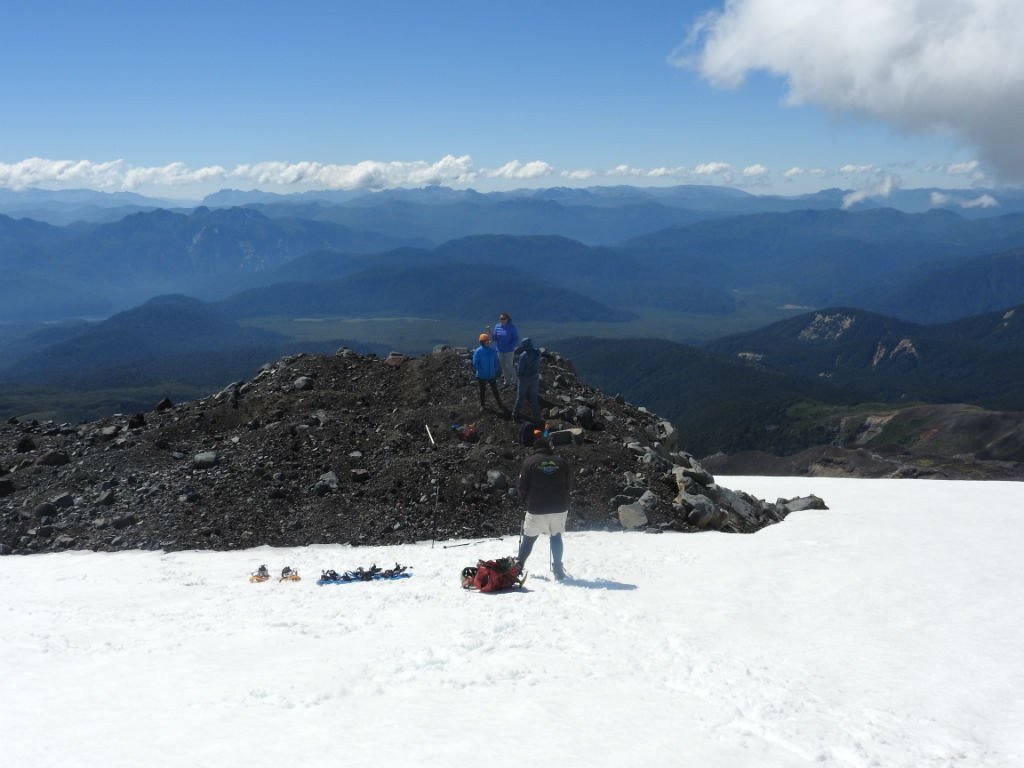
(347, 448)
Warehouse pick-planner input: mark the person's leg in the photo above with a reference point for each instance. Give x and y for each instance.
(557, 547)
(507, 371)
(497, 394)
(525, 548)
(483, 389)
(531, 394)
(519, 399)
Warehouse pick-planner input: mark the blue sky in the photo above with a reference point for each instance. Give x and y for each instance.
(784, 96)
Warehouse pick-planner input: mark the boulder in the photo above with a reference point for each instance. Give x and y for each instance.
(632, 515)
(498, 480)
(206, 460)
(25, 444)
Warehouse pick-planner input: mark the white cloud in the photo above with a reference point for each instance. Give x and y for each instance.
(711, 169)
(649, 173)
(118, 175)
(580, 174)
(963, 169)
(368, 174)
(755, 170)
(517, 170)
(883, 188)
(37, 170)
(851, 168)
(954, 66)
(626, 170)
(982, 201)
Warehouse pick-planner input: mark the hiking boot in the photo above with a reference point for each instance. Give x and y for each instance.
(559, 571)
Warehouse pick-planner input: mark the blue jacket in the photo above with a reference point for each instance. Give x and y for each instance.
(505, 337)
(528, 366)
(485, 362)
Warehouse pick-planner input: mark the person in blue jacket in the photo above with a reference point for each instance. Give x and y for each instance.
(528, 378)
(506, 339)
(485, 368)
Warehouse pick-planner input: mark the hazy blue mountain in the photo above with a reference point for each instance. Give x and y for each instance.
(163, 326)
(441, 220)
(969, 286)
(62, 207)
(1002, 328)
(885, 358)
(205, 252)
(716, 403)
(447, 290)
(817, 258)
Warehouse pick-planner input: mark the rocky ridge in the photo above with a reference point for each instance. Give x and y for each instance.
(349, 449)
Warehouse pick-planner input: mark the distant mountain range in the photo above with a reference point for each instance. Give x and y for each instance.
(783, 388)
(836, 307)
(929, 267)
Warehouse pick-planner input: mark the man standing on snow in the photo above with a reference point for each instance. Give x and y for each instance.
(545, 481)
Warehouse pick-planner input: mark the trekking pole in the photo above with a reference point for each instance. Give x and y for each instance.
(433, 517)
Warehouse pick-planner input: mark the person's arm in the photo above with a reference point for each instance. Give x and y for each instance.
(523, 484)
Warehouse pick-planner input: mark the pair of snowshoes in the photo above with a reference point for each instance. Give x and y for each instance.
(262, 574)
(373, 573)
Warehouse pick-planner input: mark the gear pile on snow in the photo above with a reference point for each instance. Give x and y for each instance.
(493, 575)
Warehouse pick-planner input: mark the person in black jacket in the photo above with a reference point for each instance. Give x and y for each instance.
(545, 481)
(528, 378)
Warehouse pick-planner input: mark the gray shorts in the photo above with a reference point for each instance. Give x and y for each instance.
(535, 525)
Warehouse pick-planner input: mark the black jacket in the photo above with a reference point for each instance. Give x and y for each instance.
(544, 482)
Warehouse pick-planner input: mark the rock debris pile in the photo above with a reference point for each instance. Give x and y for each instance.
(349, 449)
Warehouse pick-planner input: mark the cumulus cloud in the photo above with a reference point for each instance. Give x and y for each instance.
(119, 175)
(796, 172)
(755, 170)
(963, 169)
(882, 188)
(855, 169)
(981, 201)
(580, 174)
(712, 169)
(952, 66)
(368, 174)
(517, 170)
(649, 173)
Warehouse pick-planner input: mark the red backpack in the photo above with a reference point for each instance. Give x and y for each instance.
(491, 575)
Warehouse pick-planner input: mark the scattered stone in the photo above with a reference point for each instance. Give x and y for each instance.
(206, 460)
(46, 509)
(26, 444)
